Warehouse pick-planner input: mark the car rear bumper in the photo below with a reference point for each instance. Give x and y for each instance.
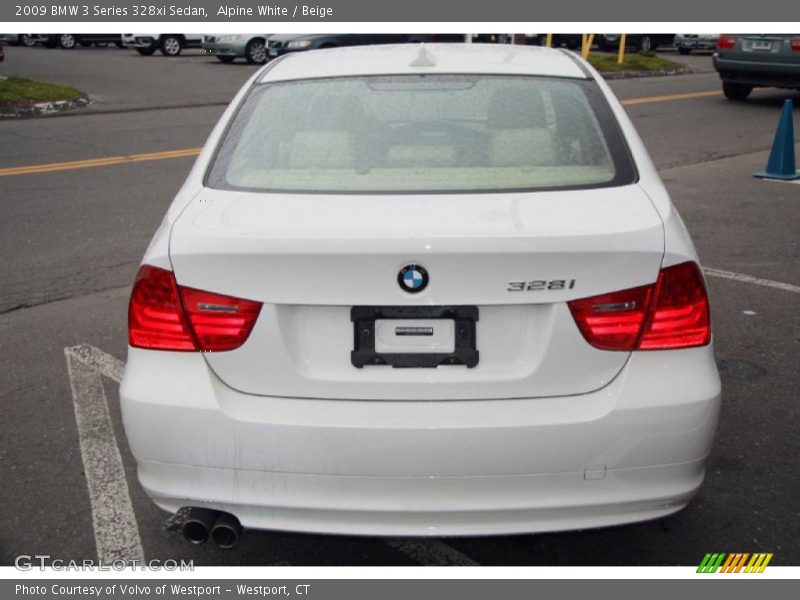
(273, 52)
(225, 48)
(630, 451)
(758, 73)
(139, 42)
(425, 506)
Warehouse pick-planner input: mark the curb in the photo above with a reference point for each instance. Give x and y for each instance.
(635, 74)
(42, 108)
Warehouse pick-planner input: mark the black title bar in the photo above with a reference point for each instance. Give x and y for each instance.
(418, 11)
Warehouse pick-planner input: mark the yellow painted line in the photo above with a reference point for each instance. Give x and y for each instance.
(98, 162)
(121, 160)
(669, 98)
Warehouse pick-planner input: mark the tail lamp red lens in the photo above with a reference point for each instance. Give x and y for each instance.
(672, 313)
(795, 44)
(165, 316)
(726, 42)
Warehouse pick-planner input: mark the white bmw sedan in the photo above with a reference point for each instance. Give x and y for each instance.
(421, 290)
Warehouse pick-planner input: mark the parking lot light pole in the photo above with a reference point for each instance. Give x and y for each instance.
(588, 39)
(621, 54)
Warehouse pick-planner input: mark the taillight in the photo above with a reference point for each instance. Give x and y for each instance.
(679, 317)
(795, 44)
(672, 313)
(165, 316)
(726, 42)
(613, 321)
(155, 314)
(219, 322)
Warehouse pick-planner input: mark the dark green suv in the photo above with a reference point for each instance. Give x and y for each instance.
(746, 61)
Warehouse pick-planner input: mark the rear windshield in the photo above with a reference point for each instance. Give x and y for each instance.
(422, 133)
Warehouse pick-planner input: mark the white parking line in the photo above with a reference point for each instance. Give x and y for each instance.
(116, 532)
(115, 529)
(431, 552)
(778, 285)
(100, 361)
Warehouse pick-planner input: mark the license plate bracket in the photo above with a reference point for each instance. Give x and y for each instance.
(464, 352)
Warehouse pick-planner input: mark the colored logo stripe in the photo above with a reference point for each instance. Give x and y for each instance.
(734, 562)
(758, 563)
(711, 562)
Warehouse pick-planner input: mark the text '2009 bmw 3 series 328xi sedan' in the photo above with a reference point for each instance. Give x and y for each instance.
(421, 290)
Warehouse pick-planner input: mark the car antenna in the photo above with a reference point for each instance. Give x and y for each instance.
(424, 58)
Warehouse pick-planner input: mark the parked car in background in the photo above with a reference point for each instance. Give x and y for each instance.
(34, 39)
(22, 39)
(170, 44)
(642, 42)
(228, 47)
(490, 38)
(686, 42)
(748, 61)
(278, 45)
(71, 40)
(12, 39)
(100, 39)
(570, 40)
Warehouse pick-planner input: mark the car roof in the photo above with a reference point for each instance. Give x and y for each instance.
(396, 59)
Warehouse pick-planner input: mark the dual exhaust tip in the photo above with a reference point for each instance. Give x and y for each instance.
(201, 524)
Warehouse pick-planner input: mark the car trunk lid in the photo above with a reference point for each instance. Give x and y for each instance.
(516, 257)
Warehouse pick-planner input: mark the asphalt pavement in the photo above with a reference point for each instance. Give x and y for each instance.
(71, 241)
(121, 79)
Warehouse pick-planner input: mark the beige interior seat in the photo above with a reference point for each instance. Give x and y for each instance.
(325, 138)
(522, 147)
(321, 150)
(421, 155)
(517, 121)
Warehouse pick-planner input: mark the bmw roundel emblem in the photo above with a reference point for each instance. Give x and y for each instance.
(413, 278)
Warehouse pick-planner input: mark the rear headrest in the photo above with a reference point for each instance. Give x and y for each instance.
(523, 148)
(516, 109)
